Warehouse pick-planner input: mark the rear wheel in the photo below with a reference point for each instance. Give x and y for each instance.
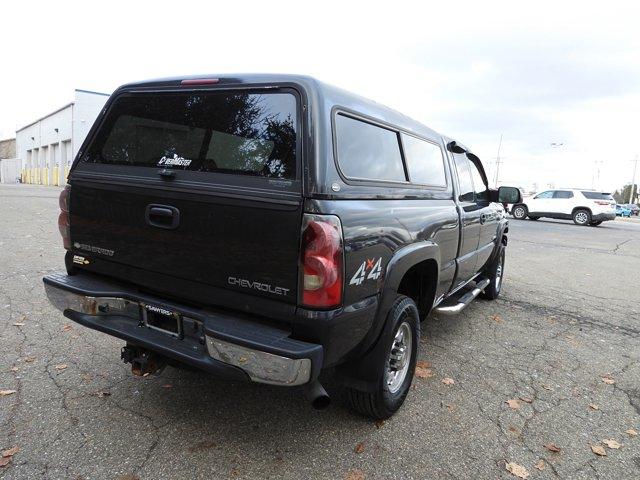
(582, 217)
(495, 273)
(397, 365)
(519, 212)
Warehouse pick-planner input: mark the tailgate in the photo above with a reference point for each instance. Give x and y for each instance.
(199, 185)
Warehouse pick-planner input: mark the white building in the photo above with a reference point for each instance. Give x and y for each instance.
(48, 146)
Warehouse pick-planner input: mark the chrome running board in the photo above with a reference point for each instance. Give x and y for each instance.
(464, 301)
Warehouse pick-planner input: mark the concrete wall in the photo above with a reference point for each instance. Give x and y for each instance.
(10, 170)
(48, 146)
(8, 148)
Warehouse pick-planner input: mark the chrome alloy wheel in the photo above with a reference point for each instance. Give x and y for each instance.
(582, 217)
(519, 212)
(399, 358)
(499, 273)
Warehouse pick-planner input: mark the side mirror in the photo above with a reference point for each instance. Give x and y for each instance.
(509, 195)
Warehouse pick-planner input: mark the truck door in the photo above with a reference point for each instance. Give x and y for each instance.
(470, 221)
(489, 216)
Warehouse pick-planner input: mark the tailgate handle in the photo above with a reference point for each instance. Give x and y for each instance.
(162, 216)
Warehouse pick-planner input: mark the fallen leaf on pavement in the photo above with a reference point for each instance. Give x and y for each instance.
(4, 461)
(496, 318)
(202, 446)
(593, 406)
(379, 424)
(61, 366)
(448, 381)
(423, 364)
(540, 464)
(14, 369)
(631, 432)
(100, 394)
(608, 379)
(359, 448)
(514, 403)
(4, 393)
(552, 447)
(422, 372)
(547, 387)
(611, 443)
(19, 324)
(598, 450)
(517, 470)
(67, 327)
(526, 399)
(451, 407)
(355, 474)
(11, 451)
(29, 359)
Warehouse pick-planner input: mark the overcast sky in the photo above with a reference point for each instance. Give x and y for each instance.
(546, 73)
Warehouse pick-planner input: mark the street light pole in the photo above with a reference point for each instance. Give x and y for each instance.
(495, 183)
(633, 180)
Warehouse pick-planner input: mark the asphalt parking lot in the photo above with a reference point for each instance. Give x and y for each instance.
(554, 364)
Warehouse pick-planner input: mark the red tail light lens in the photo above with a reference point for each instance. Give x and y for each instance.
(602, 202)
(63, 219)
(322, 261)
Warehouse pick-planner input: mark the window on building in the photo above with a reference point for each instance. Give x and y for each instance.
(367, 151)
(425, 162)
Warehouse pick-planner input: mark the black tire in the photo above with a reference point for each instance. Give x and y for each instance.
(387, 397)
(581, 217)
(519, 212)
(533, 218)
(595, 224)
(495, 272)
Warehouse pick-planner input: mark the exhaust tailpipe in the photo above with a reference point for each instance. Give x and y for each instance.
(317, 395)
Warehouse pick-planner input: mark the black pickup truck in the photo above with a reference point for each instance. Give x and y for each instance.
(271, 227)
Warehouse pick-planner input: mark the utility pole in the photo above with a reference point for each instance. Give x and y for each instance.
(633, 180)
(495, 183)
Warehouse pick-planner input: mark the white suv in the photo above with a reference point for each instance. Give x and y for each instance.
(584, 207)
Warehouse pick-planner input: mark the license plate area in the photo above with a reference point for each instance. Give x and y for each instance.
(162, 320)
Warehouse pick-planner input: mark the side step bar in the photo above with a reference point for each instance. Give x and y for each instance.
(464, 301)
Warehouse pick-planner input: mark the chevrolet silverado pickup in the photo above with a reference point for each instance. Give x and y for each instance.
(268, 228)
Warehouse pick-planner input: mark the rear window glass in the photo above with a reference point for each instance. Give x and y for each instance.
(597, 196)
(225, 132)
(367, 151)
(424, 161)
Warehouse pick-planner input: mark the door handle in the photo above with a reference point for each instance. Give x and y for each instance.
(162, 216)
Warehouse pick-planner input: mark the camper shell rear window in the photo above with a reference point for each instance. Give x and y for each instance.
(232, 132)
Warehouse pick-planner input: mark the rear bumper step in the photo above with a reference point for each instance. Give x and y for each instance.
(226, 345)
(464, 301)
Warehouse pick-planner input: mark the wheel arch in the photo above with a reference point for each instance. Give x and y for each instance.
(575, 209)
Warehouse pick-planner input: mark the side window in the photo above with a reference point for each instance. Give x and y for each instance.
(367, 151)
(425, 162)
(562, 194)
(479, 187)
(548, 194)
(464, 178)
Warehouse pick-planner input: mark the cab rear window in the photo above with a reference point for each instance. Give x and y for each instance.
(226, 132)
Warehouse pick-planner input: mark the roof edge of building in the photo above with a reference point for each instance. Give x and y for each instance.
(92, 91)
(45, 116)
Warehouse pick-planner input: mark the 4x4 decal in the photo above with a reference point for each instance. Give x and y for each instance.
(375, 270)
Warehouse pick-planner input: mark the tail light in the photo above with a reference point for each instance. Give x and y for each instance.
(322, 260)
(63, 219)
(602, 202)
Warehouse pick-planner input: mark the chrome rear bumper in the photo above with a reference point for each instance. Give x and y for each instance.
(265, 354)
